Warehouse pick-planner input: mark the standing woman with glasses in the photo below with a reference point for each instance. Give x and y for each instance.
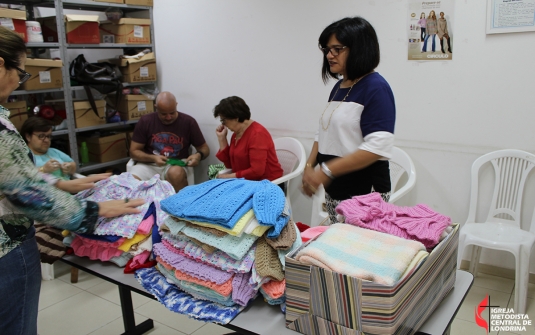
(37, 132)
(27, 195)
(356, 128)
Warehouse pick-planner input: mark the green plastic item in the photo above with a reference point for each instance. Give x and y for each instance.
(176, 161)
(84, 153)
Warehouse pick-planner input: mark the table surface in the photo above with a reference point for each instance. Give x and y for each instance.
(262, 318)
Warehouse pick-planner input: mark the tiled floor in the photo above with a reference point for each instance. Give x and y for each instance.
(92, 307)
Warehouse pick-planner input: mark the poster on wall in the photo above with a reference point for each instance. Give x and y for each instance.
(510, 16)
(430, 27)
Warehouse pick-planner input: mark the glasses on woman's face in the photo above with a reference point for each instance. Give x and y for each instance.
(23, 75)
(222, 120)
(335, 51)
(43, 136)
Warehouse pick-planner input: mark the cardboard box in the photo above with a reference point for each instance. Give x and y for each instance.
(105, 148)
(126, 30)
(149, 3)
(132, 107)
(46, 73)
(14, 20)
(320, 301)
(84, 116)
(80, 29)
(18, 112)
(136, 70)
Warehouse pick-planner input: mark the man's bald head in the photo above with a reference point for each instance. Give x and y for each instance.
(166, 100)
(166, 107)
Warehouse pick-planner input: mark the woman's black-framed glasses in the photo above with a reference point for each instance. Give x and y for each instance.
(23, 75)
(43, 136)
(222, 120)
(335, 51)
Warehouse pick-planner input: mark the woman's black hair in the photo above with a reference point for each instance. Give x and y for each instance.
(359, 36)
(34, 124)
(233, 108)
(12, 47)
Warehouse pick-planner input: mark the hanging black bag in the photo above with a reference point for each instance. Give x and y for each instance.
(104, 77)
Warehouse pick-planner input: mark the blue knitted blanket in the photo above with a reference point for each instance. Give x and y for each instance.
(224, 201)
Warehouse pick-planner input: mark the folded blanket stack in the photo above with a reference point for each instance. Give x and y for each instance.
(223, 242)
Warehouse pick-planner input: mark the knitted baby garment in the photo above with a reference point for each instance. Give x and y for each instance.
(418, 223)
(126, 186)
(218, 258)
(225, 201)
(235, 247)
(191, 267)
(224, 289)
(198, 292)
(242, 291)
(267, 262)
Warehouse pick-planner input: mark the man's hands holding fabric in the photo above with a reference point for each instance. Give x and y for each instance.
(194, 159)
(160, 160)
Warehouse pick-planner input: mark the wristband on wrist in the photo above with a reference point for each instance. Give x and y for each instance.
(200, 153)
(326, 170)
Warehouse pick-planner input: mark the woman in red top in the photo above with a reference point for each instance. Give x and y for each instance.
(251, 152)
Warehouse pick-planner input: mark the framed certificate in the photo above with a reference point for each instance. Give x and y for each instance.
(510, 16)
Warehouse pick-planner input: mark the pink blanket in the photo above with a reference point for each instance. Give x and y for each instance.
(418, 223)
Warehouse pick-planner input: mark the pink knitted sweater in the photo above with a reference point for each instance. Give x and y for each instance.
(418, 223)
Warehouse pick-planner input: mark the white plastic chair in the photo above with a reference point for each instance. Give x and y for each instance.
(191, 176)
(502, 229)
(292, 158)
(400, 164)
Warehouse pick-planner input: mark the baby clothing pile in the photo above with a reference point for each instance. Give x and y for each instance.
(379, 242)
(126, 240)
(223, 243)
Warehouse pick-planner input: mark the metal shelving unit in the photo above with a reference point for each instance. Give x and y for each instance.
(93, 166)
(63, 46)
(50, 90)
(106, 126)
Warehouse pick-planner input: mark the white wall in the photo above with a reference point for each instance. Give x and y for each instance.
(448, 113)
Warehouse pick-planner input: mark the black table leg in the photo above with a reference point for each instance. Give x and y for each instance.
(128, 314)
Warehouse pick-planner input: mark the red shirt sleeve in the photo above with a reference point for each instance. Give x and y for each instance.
(224, 157)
